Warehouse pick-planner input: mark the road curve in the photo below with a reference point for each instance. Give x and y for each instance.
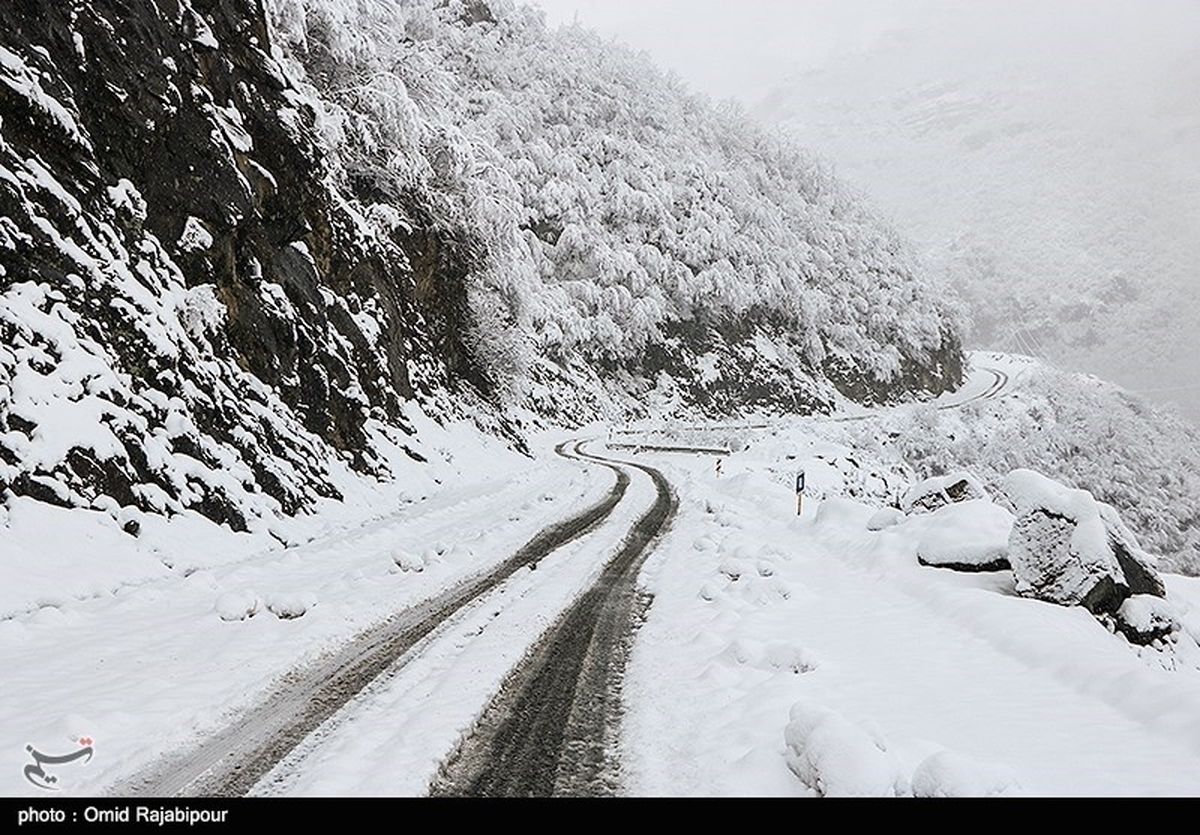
(552, 729)
(233, 760)
(999, 384)
(1000, 381)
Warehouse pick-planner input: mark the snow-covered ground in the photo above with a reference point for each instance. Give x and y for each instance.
(817, 642)
(781, 655)
(124, 640)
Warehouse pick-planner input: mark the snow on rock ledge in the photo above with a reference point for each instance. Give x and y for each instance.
(933, 493)
(971, 536)
(1068, 548)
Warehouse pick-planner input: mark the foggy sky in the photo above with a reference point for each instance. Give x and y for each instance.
(743, 48)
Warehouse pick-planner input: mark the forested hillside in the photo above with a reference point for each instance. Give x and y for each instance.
(629, 227)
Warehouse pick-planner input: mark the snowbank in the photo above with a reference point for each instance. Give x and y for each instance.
(836, 758)
(884, 518)
(954, 671)
(947, 774)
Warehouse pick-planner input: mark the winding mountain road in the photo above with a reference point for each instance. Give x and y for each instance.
(999, 384)
(581, 656)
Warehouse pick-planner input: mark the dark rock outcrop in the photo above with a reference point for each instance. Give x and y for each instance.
(176, 264)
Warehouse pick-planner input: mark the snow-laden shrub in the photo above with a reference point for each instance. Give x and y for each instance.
(836, 758)
(238, 605)
(948, 774)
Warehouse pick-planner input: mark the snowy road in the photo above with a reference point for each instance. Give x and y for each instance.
(553, 729)
(233, 761)
(986, 383)
(548, 724)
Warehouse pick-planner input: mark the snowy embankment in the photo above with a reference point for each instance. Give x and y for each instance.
(146, 653)
(813, 655)
(51, 557)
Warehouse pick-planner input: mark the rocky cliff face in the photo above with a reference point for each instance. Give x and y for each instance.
(191, 316)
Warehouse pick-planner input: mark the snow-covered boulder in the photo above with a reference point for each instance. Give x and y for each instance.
(947, 774)
(238, 605)
(971, 536)
(406, 561)
(290, 606)
(836, 758)
(932, 493)
(884, 518)
(1144, 619)
(1068, 548)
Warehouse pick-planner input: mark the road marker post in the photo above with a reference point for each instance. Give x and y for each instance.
(800, 479)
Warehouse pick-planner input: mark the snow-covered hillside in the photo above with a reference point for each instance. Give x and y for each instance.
(1013, 412)
(810, 656)
(629, 226)
(1076, 428)
(241, 248)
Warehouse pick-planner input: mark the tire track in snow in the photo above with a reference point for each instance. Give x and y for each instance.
(553, 728)
(232, 761)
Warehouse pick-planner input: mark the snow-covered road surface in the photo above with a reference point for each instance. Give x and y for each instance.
(553, 729)
(231, 762)
(983, 383)
(151, 670)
